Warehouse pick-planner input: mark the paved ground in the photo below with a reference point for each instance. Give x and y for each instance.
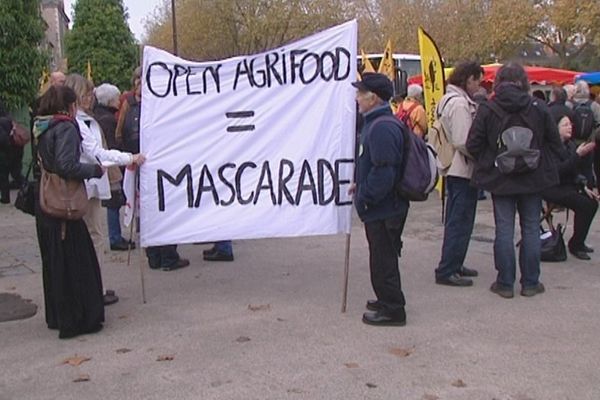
(268, 326)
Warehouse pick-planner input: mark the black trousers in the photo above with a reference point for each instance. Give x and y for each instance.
(385, 245)
(583, 207)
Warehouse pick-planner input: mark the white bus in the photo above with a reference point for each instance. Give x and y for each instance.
(407, 65)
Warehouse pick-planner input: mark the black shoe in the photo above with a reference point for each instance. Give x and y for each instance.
(587, 248)
(218, 256)
(373, 305)
(379, 319)
(110, 298)
(5, 200)
(454, 280)
(464, 271)
(502, 291)
(122, 246)
(580, 254)
(209, 251)
(532, 291)
(181, 263)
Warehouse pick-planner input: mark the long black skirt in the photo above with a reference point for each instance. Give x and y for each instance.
(71, 276)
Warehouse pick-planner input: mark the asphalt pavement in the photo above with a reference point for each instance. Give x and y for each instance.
(269, 326)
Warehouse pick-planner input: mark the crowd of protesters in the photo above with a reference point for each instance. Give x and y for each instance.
(560, 169)
(86, 134)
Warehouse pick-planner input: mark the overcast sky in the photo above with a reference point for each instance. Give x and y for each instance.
(138, 10)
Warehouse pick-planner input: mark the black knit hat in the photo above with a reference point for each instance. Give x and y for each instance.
(376, 83)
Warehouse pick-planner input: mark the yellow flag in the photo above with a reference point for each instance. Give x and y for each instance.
(89, 71)
(433, 79)
(366, 62)
(44, 81)
(386, 66)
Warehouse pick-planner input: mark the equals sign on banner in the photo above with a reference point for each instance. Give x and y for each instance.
(239, 115)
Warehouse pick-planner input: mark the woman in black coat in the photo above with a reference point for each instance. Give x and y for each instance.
(514, 191)
(572, 191)
(71, 275)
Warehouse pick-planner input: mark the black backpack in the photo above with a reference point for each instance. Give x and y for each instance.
(583, 121)
(517, 148)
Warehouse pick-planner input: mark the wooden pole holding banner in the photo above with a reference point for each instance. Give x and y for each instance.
(346, 272)
(135, 222)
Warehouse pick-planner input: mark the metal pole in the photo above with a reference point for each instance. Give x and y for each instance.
(175, 51)
(346, 273)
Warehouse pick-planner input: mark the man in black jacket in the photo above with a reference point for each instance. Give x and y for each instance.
(382, 212)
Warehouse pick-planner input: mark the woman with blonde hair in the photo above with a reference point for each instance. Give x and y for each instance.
(94, 151)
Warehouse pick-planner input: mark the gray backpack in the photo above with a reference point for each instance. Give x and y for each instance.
(518, 151)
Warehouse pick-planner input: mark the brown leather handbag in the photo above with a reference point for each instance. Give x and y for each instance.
(62, 198)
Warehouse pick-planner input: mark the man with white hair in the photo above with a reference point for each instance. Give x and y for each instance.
(570, 90)
(412, 112)
(107, 105)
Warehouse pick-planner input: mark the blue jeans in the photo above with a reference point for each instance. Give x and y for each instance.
(529, 207)
(224, 247)
(460, 218)
(114, 225)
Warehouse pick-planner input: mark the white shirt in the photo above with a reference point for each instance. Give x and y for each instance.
(93, 152)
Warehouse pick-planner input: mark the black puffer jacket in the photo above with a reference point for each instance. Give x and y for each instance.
(60, 148)
(483, 137)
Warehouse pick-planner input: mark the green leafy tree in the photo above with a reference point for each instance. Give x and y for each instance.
(101, 36)
(21, 60)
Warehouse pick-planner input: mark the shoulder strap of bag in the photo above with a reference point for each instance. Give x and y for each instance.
(445, 101)
(395, 121)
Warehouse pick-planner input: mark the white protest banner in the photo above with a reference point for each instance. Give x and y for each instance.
(249, 147)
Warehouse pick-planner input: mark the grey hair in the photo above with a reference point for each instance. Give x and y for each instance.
(414, 90)
(570, 89)
(582, 90)
(106, 93)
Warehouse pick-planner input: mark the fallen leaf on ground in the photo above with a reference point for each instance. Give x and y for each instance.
(400, 352)
(261, 307)
(82, 378)
(351, 365)
(371, 385)
(76, 361)
(123, 351)
(122, 317)
(427, 396)
(281, 320)
(167, 357)
(12, 288)
(242, 339)
(459, 383)
(295, 390)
